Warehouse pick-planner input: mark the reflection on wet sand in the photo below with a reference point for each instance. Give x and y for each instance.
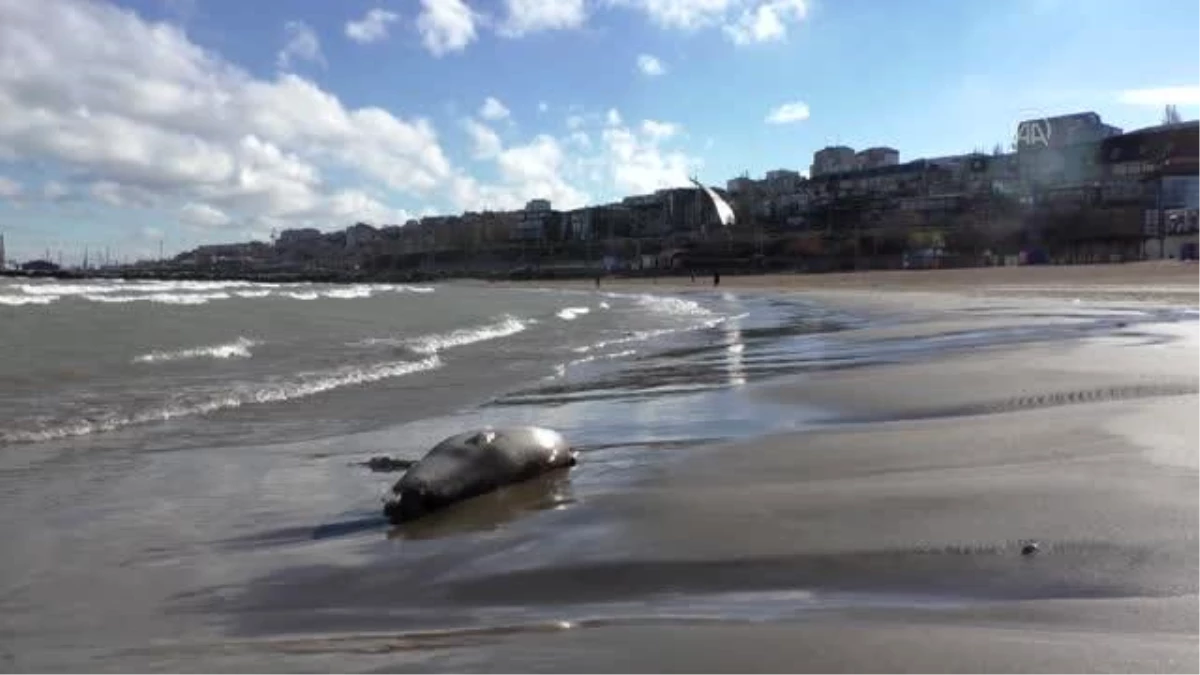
(492, 510)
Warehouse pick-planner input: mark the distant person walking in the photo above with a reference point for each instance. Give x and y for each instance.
(598, 281)
(716, 278)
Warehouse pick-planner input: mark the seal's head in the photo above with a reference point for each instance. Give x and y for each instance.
(406, 506)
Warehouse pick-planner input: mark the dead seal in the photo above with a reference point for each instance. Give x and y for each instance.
(473, 463)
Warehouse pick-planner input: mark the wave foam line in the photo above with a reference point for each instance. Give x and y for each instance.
(238, 349)
(436, 342)
(239, 395)
(665, 304)
(121, 286)
(17, 300)
(161, 298)
(571, 313)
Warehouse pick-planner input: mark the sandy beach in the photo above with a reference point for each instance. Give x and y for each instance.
(922, 498)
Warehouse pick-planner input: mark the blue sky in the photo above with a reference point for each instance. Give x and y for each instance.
(193, 121)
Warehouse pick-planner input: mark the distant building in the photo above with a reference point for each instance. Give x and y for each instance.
(739, 185)
(360, 235)
(1060, 151)
(873, 158)
(833, 159)
(782, 182)
(39, 266)
(539, 222)
(1156, 169)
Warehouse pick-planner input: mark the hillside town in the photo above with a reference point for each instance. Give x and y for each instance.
(1070, 189)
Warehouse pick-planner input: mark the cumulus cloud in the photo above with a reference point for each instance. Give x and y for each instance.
(766, 22)
(446, 26)
(787, 113)
(543, 106)
(302, 45)
(1160, 96)
(373, 27)
(203, 215)
(621, 160)
(650, 66)
(613, 118)
(742, 21)
(637, 163)
(485, 143)
(531, 16)
(659, 130)
(493, 109)
(143, 117)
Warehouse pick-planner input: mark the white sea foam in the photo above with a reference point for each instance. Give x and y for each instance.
(349, 293)
(238, 395)
(238, 349)
(303, 295)
(162, 298)
(128, 287)
(252, 294)
(665, 304)
(15, 300)
(432, 344)
(571, 313)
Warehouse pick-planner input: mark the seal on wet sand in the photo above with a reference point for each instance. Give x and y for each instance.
(474, 463)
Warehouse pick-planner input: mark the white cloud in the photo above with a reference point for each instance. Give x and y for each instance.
(531, 171)
(659, 130)
(650, 66)
(637, 164)
(493, 109)
(543, 106)
(766, 22)
(446, 26)
(302, 45)
(1161, 96)
(742, 21)
(145, 118)
(625, 161)
(575, 121)
(682, 14)
(530, 16)
(373, 27)
(485, 142)
(9, 188)
(203, 215)
(787, 113)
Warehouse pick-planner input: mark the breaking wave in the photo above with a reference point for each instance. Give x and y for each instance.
(163, 298)
(571, 313)
(190, 292)
(665, 304)
(436, 342)
(14, 300)
(238, 395)
(239, 349)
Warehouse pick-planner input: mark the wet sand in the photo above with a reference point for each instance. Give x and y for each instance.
(891, 541)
